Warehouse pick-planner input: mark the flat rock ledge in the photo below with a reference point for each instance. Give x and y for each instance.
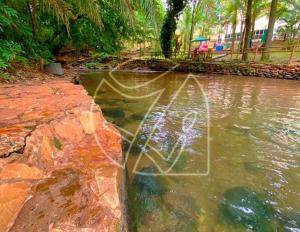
(54, 174)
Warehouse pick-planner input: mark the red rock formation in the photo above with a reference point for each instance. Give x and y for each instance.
(54, 175)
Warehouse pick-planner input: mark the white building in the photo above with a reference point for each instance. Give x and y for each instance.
(261, 26)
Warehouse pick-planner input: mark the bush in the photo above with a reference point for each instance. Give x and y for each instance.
(8, 51)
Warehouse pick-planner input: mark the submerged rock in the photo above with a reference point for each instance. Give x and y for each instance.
(146, 191)
(251, 167)
(137, 116)
(148, 183)
(241, 207)
(113, 112)
(138, 145)
(120, 122)
(184, 209)
(239, 129)
(178, 163)
(135, 149)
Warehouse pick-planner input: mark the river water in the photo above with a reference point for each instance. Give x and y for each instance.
(206, 153)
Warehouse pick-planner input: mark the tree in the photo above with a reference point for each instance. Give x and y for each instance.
(231, 12)
(37, 29)
(289, 12)
(175, 7)
(259, 8)
(247, 30)
(184, 26)
(195, 5)
(266, 53)
(63, 10)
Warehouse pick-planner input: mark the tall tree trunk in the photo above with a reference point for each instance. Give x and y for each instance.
(234, 22)
(241, 33)
(195, 6)
(253, 24)
(31, 10)
(266, 53)
(169, 26)
(248, 30)
(242, 36)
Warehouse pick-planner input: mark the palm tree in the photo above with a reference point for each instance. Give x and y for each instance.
(62, 10)
(231, 13)
(289, 11)
(195, 6)
(175, 7)
(184, 26)
(266, 53)
(66, 10)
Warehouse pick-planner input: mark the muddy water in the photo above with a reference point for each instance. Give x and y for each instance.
(217, 153)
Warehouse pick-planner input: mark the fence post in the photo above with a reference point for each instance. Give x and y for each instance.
(292, 54)
(256, 51)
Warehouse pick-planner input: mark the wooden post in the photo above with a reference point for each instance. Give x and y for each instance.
(255, 55)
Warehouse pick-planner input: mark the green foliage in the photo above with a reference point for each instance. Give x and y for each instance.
(4, 75)
(167, 34)
(7, 15)
(8, 49)
(289, 12)
(40, 28)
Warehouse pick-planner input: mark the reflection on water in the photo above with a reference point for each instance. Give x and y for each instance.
(254, 179)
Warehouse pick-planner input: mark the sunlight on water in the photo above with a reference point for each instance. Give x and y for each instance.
(254, 123)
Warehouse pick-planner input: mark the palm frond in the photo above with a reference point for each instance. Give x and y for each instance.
(89, 8)
(152, 10)
(60, 9)
(126, 9)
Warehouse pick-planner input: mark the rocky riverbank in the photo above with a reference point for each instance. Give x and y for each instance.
(257, 70)
(54, 175)
(279, 71)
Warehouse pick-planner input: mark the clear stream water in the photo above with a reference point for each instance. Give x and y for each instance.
(226, 148)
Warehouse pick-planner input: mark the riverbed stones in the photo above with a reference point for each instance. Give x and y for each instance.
(135, 149)
(113, 112)
(60, 175)
(146, 190)
(137, 116)
(241, 207)
(178, 163)
(280, 71)
(184, 209)
(148, 183)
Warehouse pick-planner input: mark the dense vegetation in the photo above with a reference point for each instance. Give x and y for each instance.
(175, 7)
(35, 29)
(40, 28)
